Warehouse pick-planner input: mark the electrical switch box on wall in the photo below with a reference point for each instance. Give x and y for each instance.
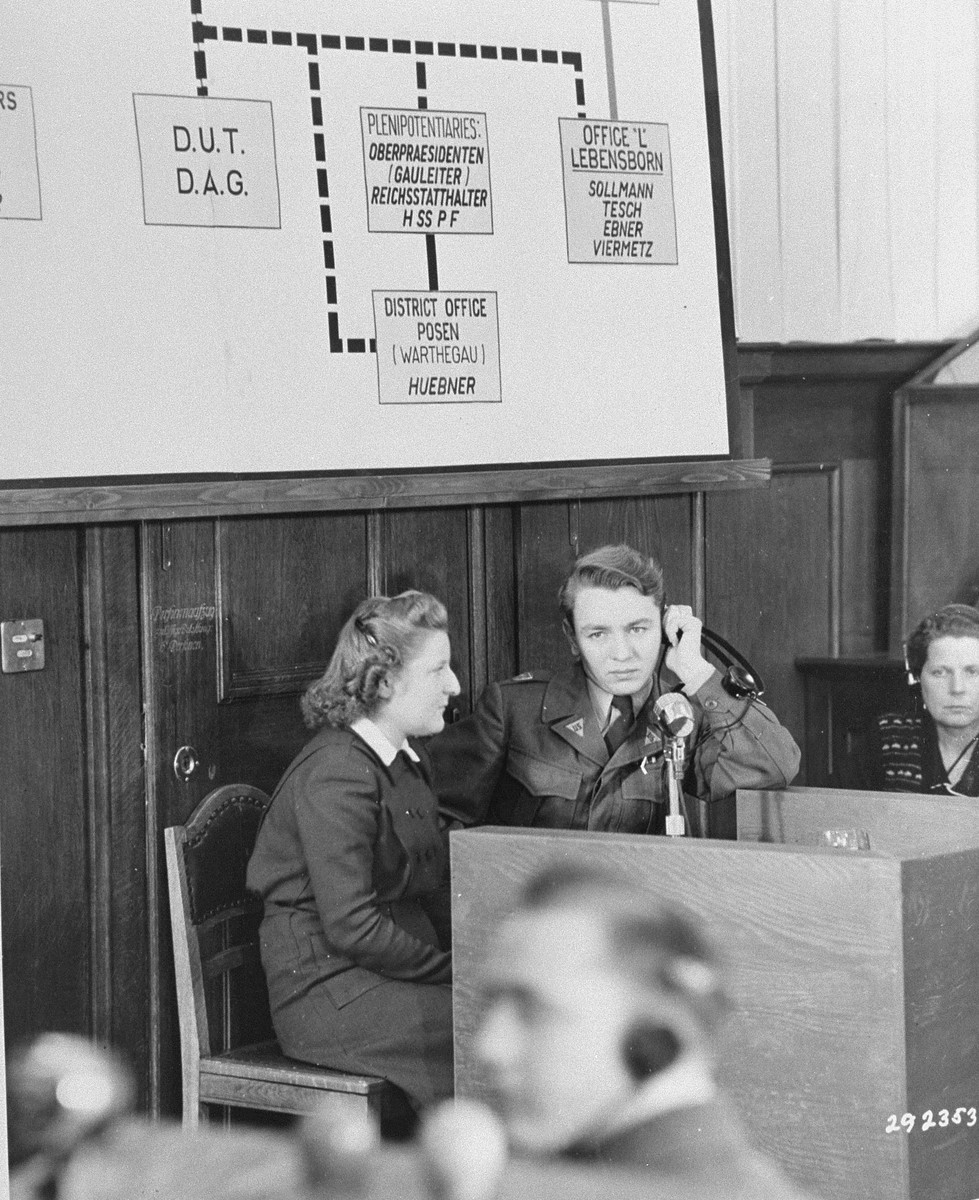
(21, 646)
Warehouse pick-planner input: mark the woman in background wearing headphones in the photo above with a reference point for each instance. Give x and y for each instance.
(934, 747)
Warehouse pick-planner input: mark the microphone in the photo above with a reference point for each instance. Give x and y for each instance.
(463, 1151)
(674, 715)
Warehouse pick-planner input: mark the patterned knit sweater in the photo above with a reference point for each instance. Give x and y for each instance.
(909, 760)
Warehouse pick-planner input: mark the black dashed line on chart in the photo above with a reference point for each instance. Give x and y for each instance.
(377, 45)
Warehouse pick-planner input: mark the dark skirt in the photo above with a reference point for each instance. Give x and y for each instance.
(400, 1031)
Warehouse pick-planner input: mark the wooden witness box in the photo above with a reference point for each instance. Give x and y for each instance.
(855, 975)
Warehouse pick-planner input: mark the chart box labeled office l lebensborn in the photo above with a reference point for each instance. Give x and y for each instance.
(437, 347)
(618, 192)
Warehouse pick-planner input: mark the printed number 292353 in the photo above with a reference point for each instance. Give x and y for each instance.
(931, 1120)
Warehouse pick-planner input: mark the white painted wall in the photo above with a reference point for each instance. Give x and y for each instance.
(851, 133)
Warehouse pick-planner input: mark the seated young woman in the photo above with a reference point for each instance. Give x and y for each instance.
(933, 748)
(350, 860)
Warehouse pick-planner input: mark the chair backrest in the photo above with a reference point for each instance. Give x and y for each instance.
(222, 1000)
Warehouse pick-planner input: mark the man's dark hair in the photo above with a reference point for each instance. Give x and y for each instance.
(612, 567)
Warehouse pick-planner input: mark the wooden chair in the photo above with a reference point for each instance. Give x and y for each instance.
(228, 1050)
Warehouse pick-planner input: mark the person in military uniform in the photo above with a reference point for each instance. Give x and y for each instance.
(582, 749)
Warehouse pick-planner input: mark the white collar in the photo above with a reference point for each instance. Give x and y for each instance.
(365, 728)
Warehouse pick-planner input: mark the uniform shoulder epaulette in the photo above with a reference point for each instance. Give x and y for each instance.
(528, 677)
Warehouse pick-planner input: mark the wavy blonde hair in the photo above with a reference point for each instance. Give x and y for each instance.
(378, 639)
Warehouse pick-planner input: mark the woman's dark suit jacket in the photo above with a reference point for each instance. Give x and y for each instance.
(347, 860)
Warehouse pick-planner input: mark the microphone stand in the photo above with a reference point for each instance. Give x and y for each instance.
(673, 754)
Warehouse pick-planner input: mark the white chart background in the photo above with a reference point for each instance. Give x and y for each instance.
(135, 348)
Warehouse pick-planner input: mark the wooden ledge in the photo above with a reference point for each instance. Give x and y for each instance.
(101, 502)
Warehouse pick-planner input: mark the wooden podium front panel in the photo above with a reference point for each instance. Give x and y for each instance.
(941, 974)
(814, 1053)
(937, 839)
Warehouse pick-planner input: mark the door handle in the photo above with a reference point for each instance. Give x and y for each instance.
(185, 763)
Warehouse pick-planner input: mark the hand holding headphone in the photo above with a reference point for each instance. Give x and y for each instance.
(740, 679)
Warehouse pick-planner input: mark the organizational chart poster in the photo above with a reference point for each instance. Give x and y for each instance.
(243, 236)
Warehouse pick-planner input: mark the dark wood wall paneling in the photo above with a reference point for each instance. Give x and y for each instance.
(773, 577)
(283, 587)
(116, 813)
(833, 405)
(216, 621)
(805, 570)
(936, 503)
(45, 869)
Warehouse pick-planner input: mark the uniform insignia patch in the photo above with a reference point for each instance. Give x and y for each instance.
(577, 727)
(652, 735)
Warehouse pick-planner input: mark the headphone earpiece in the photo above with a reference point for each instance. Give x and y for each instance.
(912, 678)
(740, 680)
(649, 1049)
(741, 684)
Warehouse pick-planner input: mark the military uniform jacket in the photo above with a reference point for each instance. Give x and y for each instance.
(532, 754)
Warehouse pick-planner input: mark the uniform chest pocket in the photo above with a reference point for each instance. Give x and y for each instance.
(542, 778)
(644, 787)
(642, 808)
